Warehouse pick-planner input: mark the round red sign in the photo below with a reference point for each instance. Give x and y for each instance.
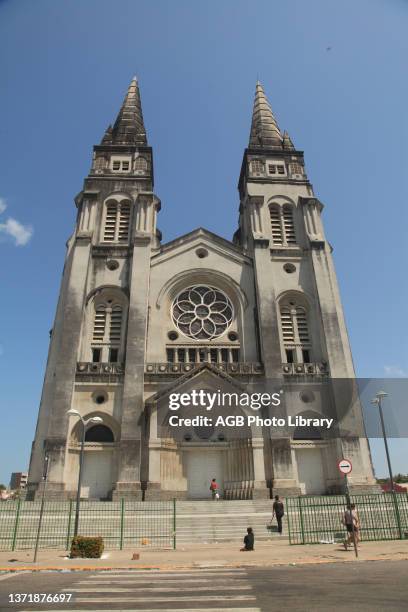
(345, 466)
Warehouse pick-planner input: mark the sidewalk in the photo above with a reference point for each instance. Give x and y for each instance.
(267, 554)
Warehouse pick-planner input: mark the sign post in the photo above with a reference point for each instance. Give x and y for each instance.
(345, 468)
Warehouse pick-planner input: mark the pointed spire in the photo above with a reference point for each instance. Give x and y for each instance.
(107, 137)
(287, 142)
(264, 129)
(129, 127)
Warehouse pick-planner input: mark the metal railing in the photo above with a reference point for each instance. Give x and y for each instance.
(319, 519)
(122, 523)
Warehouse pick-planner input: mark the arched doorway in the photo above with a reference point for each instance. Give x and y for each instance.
(97, 470)
(309, 458)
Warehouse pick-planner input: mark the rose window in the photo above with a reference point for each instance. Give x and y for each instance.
(202, 312)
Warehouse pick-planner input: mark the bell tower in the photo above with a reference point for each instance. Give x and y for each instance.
(303, 338)
(97, 349)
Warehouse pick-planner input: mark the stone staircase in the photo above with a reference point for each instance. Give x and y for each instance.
(224, 521)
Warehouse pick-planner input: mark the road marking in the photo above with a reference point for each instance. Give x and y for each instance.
(159, 589)
(187, 574)
(166, 599)
(150, 610)
(163, 581)
(10, 575)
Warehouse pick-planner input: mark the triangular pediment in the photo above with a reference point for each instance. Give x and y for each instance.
(204, 239)
(205, 375)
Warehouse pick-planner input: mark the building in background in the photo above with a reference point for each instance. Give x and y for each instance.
(138, 319)
(18, 481)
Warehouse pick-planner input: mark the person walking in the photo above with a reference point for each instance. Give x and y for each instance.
(249, 540)
(278, 511)
(352, 523)
(214, 489)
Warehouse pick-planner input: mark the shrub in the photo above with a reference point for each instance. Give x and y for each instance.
(88, 547)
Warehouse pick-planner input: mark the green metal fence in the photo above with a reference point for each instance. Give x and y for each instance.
(122, 524)
(318, 519)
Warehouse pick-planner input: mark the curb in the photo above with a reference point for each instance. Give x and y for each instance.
(80, 568)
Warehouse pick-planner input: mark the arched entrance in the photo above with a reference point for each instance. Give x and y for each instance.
(97, 469)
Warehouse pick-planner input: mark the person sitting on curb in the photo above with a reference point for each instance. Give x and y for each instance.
(249, 540)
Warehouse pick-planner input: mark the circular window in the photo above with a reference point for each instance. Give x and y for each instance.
(100, 397)
(112, 264)
(289, 268)
(307, 396)
(172, 335)
(201, 253)
(202, 312)
(233, 336)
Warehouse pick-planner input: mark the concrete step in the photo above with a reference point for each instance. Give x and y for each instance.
(223, 521)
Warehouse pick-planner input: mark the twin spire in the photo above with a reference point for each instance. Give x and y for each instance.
(129, 127)
(265, 132)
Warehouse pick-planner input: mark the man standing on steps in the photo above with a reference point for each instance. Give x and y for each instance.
(278, 511)
(214, 489)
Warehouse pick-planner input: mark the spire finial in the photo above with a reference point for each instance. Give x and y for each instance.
(264, 128)
(129, 126)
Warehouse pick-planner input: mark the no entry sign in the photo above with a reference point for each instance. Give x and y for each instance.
(345, 466)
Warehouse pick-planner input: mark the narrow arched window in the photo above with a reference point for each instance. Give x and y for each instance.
(99, 324)
(295, 333)
(107, 331)
(276, 226)
(288, 224)
(282, 224)
(117, 221)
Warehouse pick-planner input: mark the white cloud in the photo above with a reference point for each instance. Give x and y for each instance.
(395, 371)
(13, 228)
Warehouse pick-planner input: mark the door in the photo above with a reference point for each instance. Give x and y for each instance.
(97, 475)
(310, 471)
(202, 467)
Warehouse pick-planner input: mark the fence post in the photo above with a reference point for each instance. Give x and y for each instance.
(302, 528)
(122, 520)
(397, 514)
(174, 523)
(287, 506)
(69, 525)
(13, 545)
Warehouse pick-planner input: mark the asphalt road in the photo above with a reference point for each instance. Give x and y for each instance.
(381, 585)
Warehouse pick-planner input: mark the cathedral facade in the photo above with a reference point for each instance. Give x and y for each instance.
(139, 319)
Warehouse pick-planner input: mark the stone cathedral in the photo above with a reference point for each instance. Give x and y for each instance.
(139, 318)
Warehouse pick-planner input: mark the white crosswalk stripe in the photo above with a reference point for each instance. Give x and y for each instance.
(226, 590)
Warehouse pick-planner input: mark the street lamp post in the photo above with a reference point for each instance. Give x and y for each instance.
(84, 422)
(377, 401)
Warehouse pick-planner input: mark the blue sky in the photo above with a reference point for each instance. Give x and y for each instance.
(336, 75)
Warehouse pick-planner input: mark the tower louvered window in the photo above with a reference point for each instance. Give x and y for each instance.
(288, 225)
(107, 334)
(295, 333)
(99, 324)
(282, 224)
(288, 333)
(115, 325)
(117, 222)
(277, 234)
